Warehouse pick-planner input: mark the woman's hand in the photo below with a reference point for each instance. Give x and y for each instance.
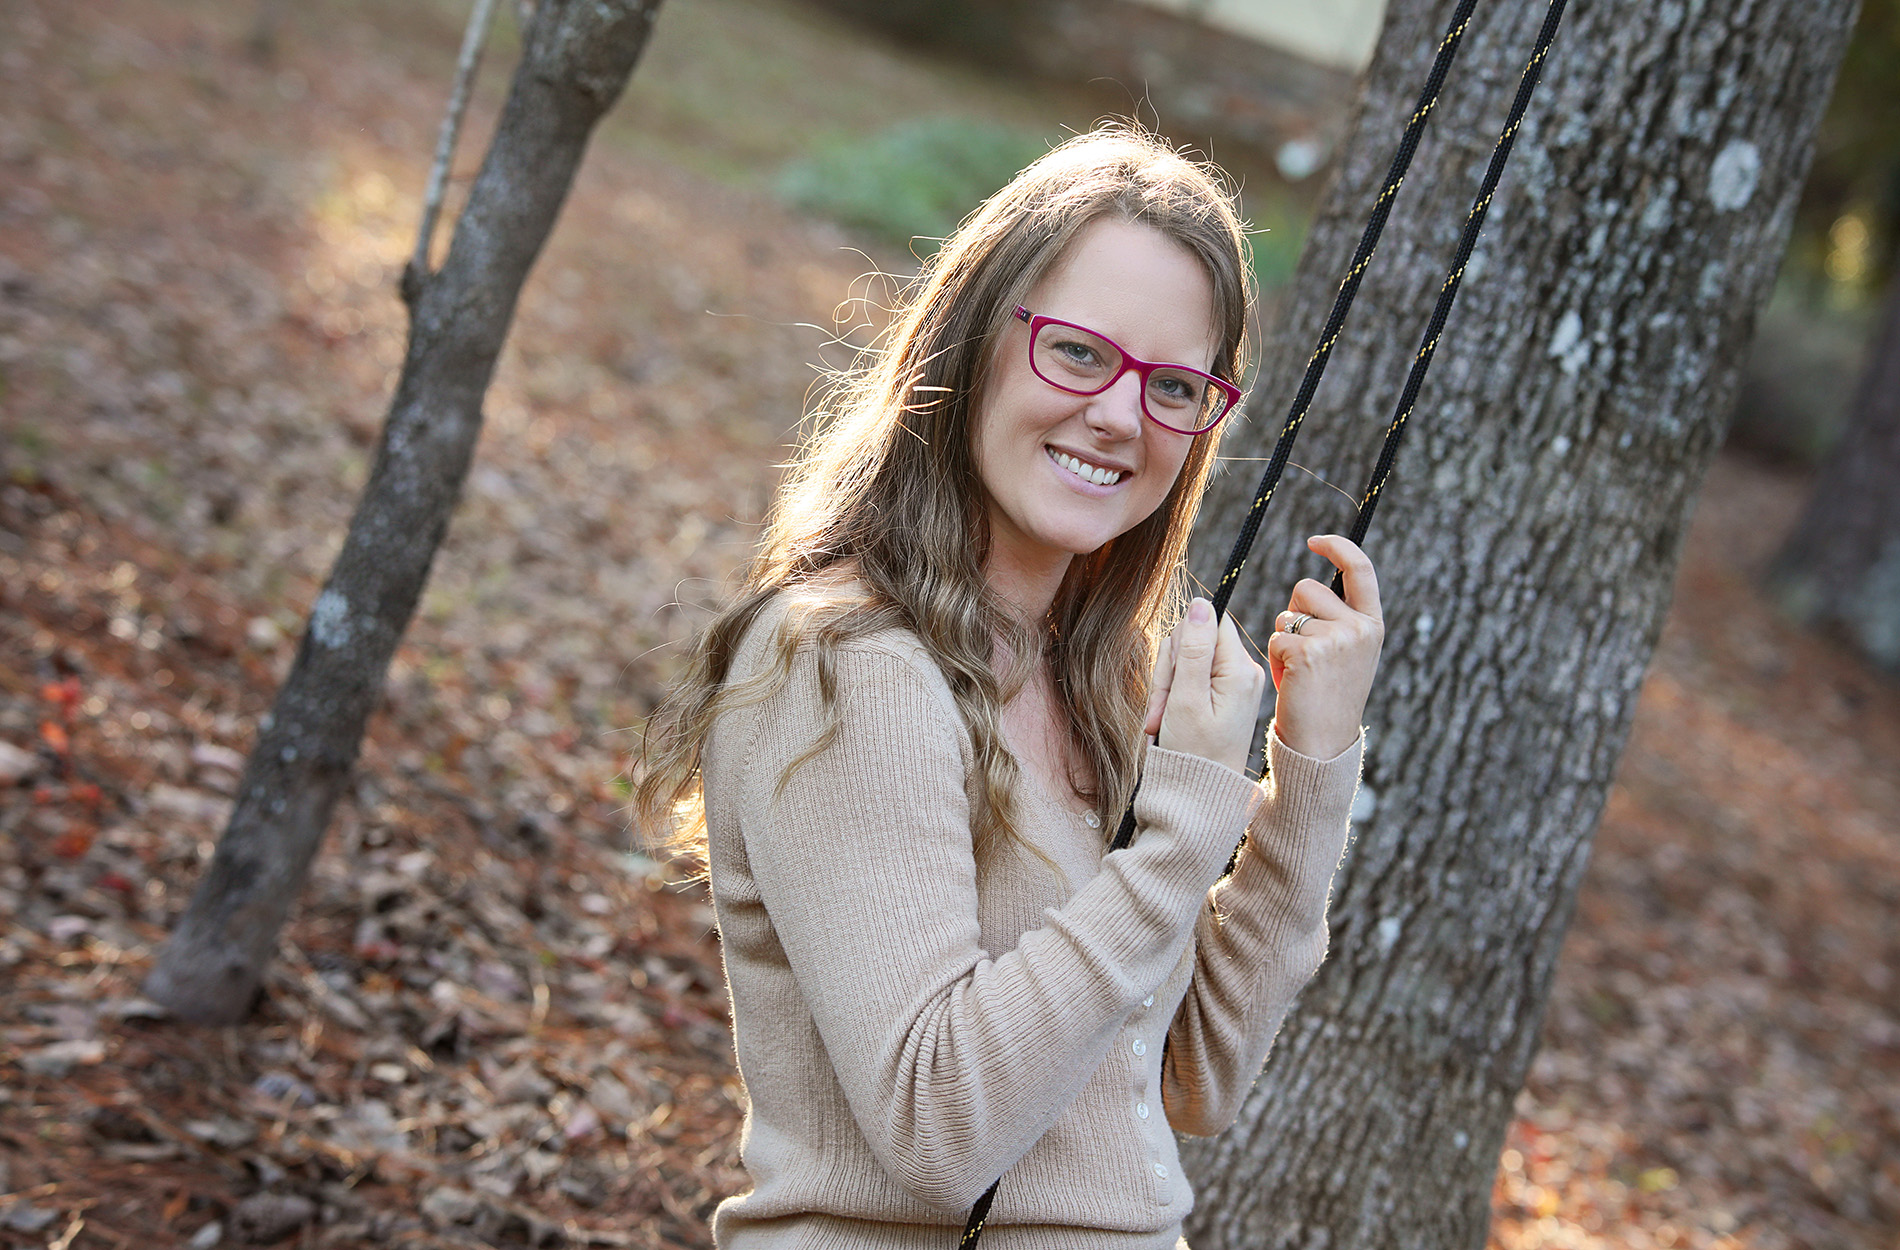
(1324, 671)
(1207, 690)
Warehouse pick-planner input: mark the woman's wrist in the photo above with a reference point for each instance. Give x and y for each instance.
(1319, 752)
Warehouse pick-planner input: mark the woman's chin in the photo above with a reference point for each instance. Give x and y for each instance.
(1056, 536)
(1079, 542)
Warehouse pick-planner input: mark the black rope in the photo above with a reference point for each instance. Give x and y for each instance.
(973, 1228)
(1315, 369)
(1448, 292)
(1342, 304)
(1316, 365)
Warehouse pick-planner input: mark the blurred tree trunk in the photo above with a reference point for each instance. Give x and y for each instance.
(1526, 547)
(576, 58)
(1841, 568)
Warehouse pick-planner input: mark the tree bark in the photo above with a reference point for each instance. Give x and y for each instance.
(576, 59)
(1526, 547)
(1841, 567)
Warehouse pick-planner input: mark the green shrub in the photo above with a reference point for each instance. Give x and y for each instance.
(915, 181)
(1276, 249)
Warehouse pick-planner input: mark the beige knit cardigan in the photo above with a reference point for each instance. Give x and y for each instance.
(912, 1023)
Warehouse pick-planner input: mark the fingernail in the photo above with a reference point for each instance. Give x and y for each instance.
(1200, 611)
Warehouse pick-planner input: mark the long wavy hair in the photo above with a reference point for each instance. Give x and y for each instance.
(886, 485)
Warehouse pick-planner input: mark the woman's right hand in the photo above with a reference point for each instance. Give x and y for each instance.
(1206, 695)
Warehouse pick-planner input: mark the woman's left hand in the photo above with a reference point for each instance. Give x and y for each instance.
(1323, 673)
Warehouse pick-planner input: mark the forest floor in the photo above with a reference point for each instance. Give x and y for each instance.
(491, 1021)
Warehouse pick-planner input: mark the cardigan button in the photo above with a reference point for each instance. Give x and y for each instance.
(1139, 1047)
(1161, 1171)
(1141, 1110)
(1092, 820)
(1148, 1001)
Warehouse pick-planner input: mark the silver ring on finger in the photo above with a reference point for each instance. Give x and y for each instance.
(1299, 621)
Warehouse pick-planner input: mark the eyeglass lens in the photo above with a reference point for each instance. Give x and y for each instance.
(1076, 360)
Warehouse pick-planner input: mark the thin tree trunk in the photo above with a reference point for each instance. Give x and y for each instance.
(1841, 568)
(1526, 547)
(576, 59)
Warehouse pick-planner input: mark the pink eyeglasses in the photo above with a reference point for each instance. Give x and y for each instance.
(1080, 361)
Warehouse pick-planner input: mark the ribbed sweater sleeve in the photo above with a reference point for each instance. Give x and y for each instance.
(954, 1059)
(1260, 938)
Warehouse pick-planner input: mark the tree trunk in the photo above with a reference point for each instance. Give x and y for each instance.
(1841, 568)
(576, 58)
(1526, 546)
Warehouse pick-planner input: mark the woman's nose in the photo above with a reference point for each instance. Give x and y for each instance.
(1115, 414)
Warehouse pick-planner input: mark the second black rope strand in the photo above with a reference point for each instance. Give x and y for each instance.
(1454, 277)
(1342, 303)
(1329, 336)
(1316, 365)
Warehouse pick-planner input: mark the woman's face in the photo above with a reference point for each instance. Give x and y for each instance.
(1151, 296)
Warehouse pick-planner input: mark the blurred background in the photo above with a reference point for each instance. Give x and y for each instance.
(496, 1023)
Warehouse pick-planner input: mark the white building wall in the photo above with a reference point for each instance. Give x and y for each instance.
(1339, 33)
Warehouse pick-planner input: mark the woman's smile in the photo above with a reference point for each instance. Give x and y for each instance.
(1091, 477)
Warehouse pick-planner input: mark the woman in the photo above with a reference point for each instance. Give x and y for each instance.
(904, 745)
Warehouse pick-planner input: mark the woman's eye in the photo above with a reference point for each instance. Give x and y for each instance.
(1174, 389)
(1078, 353)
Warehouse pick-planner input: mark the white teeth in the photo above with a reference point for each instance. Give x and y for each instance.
(1087, 472)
